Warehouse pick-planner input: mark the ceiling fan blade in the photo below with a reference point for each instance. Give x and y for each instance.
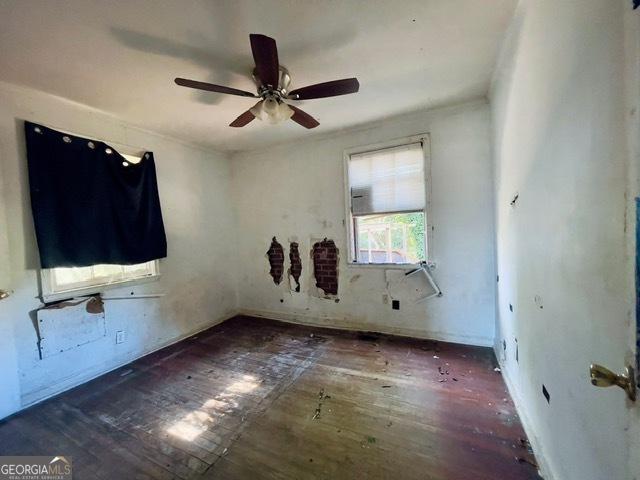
(326, 89)
(303, 118)
(210, 87)
(265, 54)
(245, 118)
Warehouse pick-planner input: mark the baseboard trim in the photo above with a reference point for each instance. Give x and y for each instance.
(544, 467)
(341, 324)
(37, 396)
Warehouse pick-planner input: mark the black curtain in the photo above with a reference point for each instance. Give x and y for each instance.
(90, 205)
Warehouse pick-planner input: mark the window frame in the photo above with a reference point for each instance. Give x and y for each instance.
(349, 222)
(48, 294)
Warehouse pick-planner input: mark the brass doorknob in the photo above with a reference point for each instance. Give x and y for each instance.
(603, 377)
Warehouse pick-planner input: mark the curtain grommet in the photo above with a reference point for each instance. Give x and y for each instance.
(125, 164)
(108, 151)
(66, 139)
(37, 130)
(146, 155)
(91, 145)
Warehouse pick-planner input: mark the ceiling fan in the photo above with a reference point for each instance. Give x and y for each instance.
(273, 80)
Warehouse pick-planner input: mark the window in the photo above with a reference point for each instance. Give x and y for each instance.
(60, 283)
(63, 282)
(387, 195)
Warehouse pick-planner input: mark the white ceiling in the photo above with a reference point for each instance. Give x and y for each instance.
(122, 56)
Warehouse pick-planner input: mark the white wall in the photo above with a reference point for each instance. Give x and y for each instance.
(296, 191)
(632, 91)
(559, 142)
(198, 276)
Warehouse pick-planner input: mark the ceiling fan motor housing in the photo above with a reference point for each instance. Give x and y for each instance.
(284, 81)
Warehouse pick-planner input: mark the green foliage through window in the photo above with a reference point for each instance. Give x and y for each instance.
(395, 238)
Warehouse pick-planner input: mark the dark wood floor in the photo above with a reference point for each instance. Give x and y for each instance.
(254, 398)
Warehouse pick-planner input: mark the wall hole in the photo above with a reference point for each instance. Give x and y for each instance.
(546, 394)
(275, 254)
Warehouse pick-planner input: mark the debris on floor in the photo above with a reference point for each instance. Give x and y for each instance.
(315, 339)
(368, 441)
(527, 461)
(368, 337)
(321, 398)
(524, 443)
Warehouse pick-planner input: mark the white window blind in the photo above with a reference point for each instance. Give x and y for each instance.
(387, 181)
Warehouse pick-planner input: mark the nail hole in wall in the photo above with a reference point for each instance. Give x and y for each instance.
(538, 301)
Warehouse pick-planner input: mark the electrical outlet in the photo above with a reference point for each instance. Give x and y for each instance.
(385, 298)
(120, 336)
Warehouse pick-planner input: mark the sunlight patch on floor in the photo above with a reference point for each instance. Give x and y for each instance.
(195, 423)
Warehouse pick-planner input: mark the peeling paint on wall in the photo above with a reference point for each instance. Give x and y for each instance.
(295, 270)
(275, 254)
(325, 266)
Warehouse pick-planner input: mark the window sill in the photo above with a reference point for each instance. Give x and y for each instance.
(96, 289)
(385, 266)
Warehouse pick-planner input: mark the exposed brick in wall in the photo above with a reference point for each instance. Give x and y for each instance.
(295, 270)
(325, 266)
(275, 254)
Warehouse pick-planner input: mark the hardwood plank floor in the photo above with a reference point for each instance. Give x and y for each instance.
(259, 399)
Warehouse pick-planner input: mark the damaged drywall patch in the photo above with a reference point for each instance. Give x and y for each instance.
(275, 255)
(93, 304)
(70, 324)
(295, 269)
(325, 266)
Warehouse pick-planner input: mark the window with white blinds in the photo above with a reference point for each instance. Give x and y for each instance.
(390, 180)
(387, 188)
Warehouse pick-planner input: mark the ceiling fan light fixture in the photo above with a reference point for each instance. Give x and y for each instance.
(272, 110)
